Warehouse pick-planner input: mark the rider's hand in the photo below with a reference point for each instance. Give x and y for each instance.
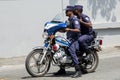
(67, 29)
(62, 30)
(81, 21)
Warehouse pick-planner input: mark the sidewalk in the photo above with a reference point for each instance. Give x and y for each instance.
(12, 61)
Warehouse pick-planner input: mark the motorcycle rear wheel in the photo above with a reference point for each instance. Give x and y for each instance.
(33, 66)
(92, 65)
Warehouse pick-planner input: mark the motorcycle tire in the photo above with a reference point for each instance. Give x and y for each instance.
(36, 55)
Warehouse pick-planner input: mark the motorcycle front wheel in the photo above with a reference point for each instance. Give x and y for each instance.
(33, 66)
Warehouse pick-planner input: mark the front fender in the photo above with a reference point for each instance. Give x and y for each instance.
(38, 47)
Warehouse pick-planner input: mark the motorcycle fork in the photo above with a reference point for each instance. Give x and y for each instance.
(44, 53)
(46, 48)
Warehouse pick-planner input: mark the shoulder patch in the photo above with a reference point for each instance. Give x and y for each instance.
(76, 22)
(87, 18)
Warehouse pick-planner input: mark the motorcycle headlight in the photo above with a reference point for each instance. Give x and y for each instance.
(45, 35)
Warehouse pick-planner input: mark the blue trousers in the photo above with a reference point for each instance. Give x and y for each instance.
(84, 40)
(72, 50)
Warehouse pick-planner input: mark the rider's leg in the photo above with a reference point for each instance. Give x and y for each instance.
(83, 42)
(72, 51)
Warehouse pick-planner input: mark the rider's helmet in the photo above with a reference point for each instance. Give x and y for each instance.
(78, 7)
(69, 8)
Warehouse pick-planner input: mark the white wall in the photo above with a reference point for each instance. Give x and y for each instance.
(110, 36)
(22, 21)
(21, 24)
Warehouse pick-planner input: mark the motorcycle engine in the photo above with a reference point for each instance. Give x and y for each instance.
(61, 57)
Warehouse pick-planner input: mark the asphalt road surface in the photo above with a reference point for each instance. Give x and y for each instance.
(108, 69)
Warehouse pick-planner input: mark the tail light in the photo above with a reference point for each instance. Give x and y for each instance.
(100, 42)
(55, 47)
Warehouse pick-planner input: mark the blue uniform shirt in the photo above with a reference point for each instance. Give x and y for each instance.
(74, 24)
(84, 29)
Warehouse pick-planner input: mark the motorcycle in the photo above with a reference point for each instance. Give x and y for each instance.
(55, 52)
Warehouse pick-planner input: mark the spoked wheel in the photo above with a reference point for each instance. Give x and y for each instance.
(33, 66)
(91, 62)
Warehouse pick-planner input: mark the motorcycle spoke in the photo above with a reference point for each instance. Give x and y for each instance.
(38, 67)
(34, 58)
(34, 65)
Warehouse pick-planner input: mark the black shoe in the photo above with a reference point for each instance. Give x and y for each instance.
(60, 72)
(77, 74)
(84, 71)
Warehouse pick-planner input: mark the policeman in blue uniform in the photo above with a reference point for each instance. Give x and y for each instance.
(87, 31)
(73, 33)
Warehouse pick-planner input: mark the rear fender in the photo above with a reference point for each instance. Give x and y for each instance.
(98, 48)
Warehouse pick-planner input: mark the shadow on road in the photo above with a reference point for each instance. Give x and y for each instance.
(68, 74)
(27, 77)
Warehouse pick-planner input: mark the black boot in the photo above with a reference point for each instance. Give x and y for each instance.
(78, 72)
(61, 72)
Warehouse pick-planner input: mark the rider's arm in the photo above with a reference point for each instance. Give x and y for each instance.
(88, 25)
(76, 25)
(86, 22)
(62, 31)
(72, 30)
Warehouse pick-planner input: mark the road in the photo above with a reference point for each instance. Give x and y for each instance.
(108, 69)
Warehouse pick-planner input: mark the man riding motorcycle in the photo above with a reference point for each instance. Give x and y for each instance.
(59, 51)
(73, 33)
(87, 32)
